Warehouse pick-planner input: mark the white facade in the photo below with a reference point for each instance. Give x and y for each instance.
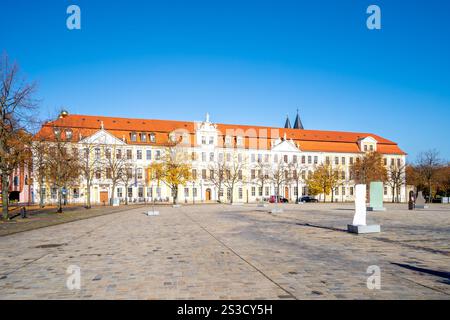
(206, 149)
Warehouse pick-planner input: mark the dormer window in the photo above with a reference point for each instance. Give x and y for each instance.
(228, 140)
(69, 134)
(133, 136)
(365, 147)
(143, 137)
(152, 137)
(57, 132)
(172, 137)
(239, 141)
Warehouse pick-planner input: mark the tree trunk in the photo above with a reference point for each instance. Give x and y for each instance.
(41, 194)
(175, 194)
(5, 195)
(429, 195)
(111, 200)
(60, 201)
(88, 194)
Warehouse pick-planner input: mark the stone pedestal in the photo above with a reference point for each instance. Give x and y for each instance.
(276, 210)
(153, 213)
(376, 209)
(176, 206)
(421, 206)
(374, 228)
(359, 225)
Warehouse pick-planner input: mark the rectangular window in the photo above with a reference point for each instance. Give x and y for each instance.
(158, 192)
(228, 157)
(194, 174)
(139, 154)
(108, 173)
(158, 155)
(143, 137)
(140, 192)
(194, 192)
(371, 147)
(186, 192)
(267, 191)
(211, 156)
(351, 191)
(309, 159)
(336, 160)
(294, 159)
(211, 140)
(119, 193)
(343, 160)
(204, 174)
(253, 158)
(327, 160)
(118, 154)
(303, 159)
(343, 191)
(139, 173)
(253, 174)
(253, 191)
(286, 159)
(240, 193)
(316, 159)
(129, 154)
(203, 140)
(150, 192)
(97, 153)
(260, 191)
(351, 160)
(385, 191)
(149, 154)
(130, 192)
(203, 156)
(133, 136)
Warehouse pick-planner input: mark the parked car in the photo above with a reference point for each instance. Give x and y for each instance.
(272, 199)
(307, 199)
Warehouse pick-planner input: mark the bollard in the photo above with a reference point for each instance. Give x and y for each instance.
(23, 212)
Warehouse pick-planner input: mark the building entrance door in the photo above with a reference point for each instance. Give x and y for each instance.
(104, 197)
(208, 194)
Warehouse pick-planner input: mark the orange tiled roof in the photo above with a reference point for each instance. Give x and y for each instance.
(309, 140)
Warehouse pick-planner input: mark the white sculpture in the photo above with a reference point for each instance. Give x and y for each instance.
(359, 224)
(360, 205)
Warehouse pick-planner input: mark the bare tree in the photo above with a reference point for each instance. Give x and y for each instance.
(89, 165)
(40, 149)
(16, 112)
(428, 164)
(280, 175)
(114, 167)
(396, 179)
(262, 177)
(297, 169)
(234, 168)
(127, 177)
(63, 165)
(216, 175)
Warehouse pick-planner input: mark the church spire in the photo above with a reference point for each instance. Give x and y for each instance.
(298, 123)
(287, 125)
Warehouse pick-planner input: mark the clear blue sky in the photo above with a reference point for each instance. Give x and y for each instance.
(249, 62)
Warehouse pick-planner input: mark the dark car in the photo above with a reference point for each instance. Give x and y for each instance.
(308, 199)
(280, 199)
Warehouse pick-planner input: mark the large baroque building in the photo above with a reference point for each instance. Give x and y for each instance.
(143, 142)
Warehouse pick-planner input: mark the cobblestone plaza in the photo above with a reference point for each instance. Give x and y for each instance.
(232, 252)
